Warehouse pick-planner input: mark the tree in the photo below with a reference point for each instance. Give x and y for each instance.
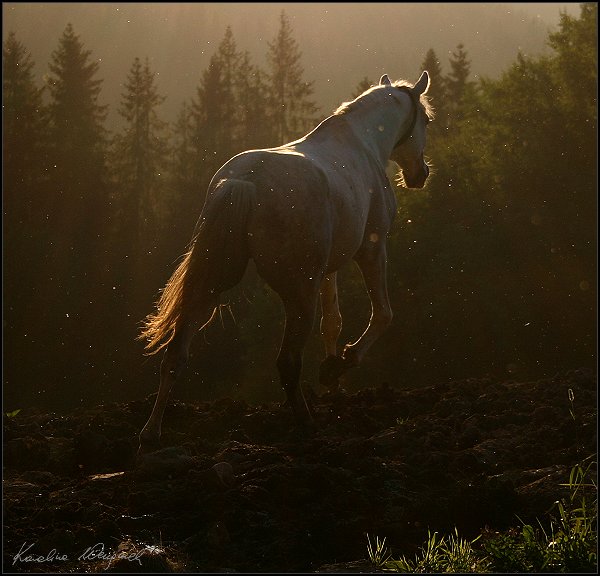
(140, 152)
(76, 116)
(362, 86)
(70, 254)
(229, 113)
(24, 202)
(207, 112)
(215, 112)
(24, 123)
(24, 150)
(575, 44)
(504, 234)
(437, 89)
(183, 158)
(253, 106)
(186, 186)
(457, 84)
(293, 111)
(78, 149)
(229, 60)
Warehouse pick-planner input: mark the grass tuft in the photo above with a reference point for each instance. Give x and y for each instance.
(566, 543)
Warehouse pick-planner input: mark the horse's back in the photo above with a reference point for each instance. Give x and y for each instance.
(311, 206)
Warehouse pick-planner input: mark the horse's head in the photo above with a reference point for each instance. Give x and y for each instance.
(408, 151)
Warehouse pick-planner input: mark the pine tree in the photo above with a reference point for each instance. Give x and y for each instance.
(437, 88)
(576, 46)
(24, 194)
(253, 106)
(77, 152)
(229, 59)
(207, 112)
(78, 146)
(186, 197)
(24, 121)
(293, 111)
(140, 152)
(76, 116)
(182, 152)
(457, 84)
(215, 111)
(363, 85)
(76, 259)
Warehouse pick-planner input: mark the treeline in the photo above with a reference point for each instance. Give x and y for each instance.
(492, 267)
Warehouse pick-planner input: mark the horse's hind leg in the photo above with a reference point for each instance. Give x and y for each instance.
(174, 360)
(331, 321)
(300, 310)
(331, 325)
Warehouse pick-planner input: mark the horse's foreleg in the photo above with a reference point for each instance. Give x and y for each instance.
(372, 264)
(331, 320)
(331, 325)
(174, 361)
(299, 319)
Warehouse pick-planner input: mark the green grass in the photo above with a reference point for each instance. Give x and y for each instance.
(565, 542)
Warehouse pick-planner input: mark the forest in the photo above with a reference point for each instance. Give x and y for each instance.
(492, 267)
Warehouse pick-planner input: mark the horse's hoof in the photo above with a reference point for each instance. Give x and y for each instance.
(330, 371)
(350, 356)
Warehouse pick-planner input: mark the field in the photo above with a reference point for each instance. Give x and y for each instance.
(237, 488)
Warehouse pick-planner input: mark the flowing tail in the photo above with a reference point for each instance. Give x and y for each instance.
(216, 261)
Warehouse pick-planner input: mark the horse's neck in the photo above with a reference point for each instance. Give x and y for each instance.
(378, 129)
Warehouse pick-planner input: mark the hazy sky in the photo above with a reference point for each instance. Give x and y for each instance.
(341, 43)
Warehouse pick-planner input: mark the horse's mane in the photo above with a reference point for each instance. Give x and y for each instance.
(369, 95)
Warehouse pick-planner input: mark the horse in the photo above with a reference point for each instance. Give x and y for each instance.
(300, 211)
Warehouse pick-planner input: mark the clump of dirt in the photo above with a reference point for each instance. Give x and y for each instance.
(239, 488)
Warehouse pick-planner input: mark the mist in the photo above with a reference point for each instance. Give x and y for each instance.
(341, 42)
(91, 242)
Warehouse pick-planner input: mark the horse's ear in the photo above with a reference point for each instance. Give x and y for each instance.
(422, 84)
(385, 80)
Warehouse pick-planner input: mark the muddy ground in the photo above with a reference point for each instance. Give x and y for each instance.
(237, 488)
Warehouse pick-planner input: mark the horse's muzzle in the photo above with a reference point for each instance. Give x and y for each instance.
(418, 179)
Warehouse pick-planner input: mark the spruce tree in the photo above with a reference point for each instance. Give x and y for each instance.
(185, 195)
(182, 152)
(76, 258)
(437, 89)
(24, 206)
(207, 112)
(293, 111)
(253, 106)
(80, 208)
(229, 59)
(363, 85)
(24, 122)
(76, 116)
(140, 151)
(575, 44)
(457, 84)
(215, 111)
(78, 147)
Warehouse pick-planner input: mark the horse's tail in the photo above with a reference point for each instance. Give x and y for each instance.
(216, 261)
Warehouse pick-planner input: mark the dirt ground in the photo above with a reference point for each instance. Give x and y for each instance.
(237, 488)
